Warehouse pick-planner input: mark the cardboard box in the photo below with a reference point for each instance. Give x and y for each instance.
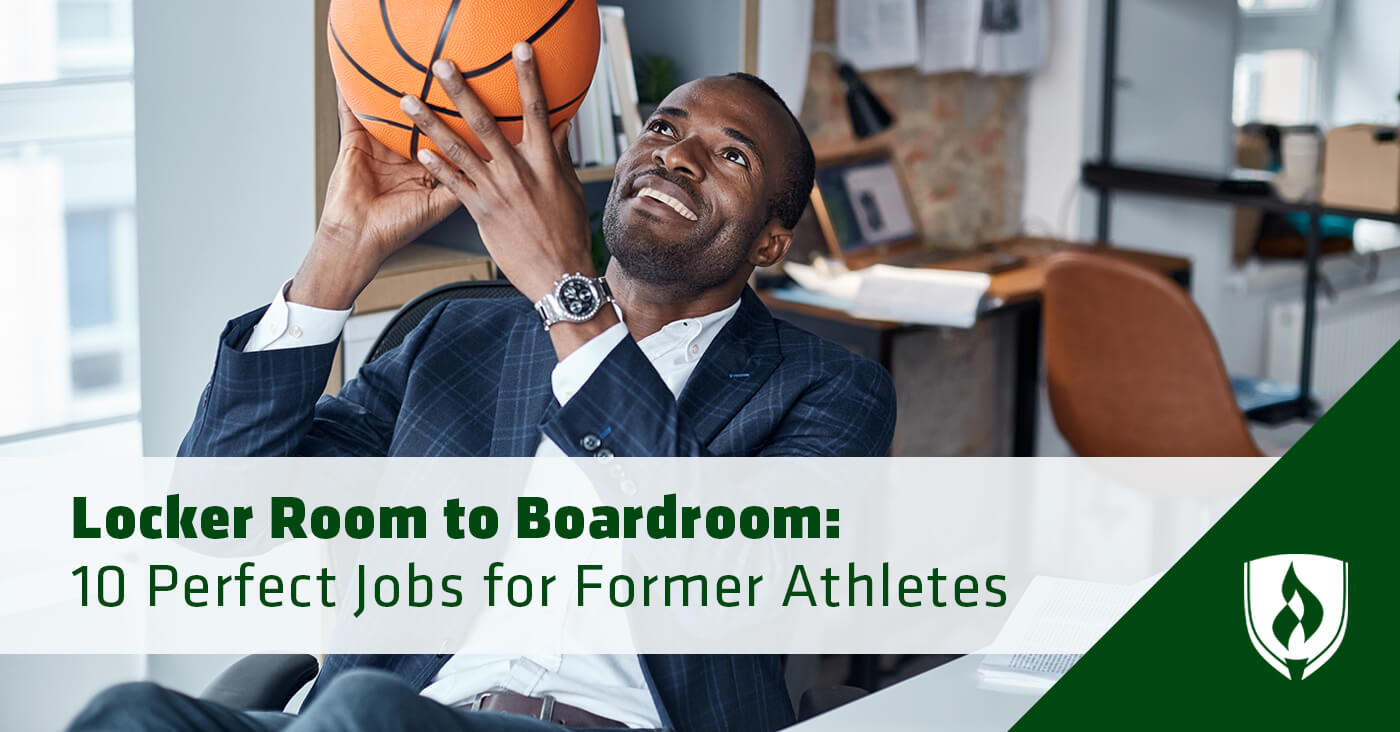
(1361, 169)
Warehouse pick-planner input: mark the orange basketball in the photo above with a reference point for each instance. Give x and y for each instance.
(383, 49)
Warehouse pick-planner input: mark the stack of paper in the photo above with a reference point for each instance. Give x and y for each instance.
(1052, 625)
(901, 294)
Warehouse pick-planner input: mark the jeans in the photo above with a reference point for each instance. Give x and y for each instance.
(361, 699)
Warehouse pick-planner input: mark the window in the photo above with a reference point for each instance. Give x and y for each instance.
(1278, 87)
(1265, 6)
(67, 216)
(1282, 53)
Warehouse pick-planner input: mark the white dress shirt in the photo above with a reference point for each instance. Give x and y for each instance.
(608, 685)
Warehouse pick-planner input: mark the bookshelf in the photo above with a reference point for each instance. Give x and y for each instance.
(704, 39)
(595, 175)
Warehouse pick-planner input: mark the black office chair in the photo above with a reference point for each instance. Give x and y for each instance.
(267, 682)
(410, 315)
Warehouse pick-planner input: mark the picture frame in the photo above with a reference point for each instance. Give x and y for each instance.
(863, 207)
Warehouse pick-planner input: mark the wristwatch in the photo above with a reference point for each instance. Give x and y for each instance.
(575, 299)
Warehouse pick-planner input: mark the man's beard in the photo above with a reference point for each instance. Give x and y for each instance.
(707, 257)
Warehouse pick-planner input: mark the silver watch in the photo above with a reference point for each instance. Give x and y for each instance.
(575, 299)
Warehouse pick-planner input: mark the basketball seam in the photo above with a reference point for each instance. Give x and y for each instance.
(428, 75)
(384, 13)
(441, 110)
(488, 68)
(437, 51)
(381, 120)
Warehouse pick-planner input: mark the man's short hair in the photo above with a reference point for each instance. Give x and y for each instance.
(796, 188)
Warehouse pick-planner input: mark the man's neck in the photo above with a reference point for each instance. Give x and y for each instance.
(647, 308)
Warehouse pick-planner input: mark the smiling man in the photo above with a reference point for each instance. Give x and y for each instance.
(670, 354)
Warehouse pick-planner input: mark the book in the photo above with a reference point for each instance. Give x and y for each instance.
(624, 77)
(586, 119)
(1051, 627)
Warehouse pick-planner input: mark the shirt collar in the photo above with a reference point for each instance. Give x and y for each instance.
(688, 338)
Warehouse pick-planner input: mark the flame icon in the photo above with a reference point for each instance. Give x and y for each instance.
(1294, 627)
(1286, 621)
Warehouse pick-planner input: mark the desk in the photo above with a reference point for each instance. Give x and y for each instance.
(1015, 294)
(946, 697)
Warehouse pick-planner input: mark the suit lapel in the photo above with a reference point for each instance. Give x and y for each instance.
(732, 369)
(526, 392)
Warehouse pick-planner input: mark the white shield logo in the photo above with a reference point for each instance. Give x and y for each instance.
(1295, 608)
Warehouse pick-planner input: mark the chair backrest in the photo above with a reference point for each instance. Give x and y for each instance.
(1131, 365)
(410, 315)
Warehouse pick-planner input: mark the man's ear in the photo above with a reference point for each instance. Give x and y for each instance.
(773, 244)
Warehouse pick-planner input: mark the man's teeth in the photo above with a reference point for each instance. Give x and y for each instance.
(669, 201)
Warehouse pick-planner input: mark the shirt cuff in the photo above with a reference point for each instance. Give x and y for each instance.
(293, 325)
(574, 371)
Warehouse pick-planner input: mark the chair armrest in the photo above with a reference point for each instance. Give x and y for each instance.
(263, 682)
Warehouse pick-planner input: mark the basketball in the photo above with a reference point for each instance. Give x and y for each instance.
(381, 51)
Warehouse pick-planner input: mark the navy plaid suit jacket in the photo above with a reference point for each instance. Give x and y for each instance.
(473, 379)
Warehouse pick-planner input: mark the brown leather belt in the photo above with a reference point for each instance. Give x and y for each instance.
(545, 708)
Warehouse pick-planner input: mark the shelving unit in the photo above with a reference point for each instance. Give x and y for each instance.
(596, 174)
(1106, 176)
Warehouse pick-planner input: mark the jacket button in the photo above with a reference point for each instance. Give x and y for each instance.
(590, 442)
(604, 454)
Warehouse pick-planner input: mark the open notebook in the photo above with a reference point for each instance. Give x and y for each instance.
(1052, 625)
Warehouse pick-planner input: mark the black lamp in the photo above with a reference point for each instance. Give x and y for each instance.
(868, 116)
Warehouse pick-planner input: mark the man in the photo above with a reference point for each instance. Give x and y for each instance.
(694, 365)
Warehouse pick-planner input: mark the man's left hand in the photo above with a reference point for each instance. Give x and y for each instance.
(527, 200)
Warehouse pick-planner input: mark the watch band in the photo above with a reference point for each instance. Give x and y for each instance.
(576, 298)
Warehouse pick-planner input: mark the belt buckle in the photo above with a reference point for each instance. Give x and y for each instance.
(547, 708)
(476, 701)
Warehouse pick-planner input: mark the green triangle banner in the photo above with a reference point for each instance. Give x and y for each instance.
(1285, 615)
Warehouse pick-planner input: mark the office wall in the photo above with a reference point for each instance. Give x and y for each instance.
(1055, 111)
(1365, 69)
(225, 182)
(1175, 63)
(958, 138)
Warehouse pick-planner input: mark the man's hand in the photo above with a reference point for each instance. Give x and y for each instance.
(376, 203)
(527, 201)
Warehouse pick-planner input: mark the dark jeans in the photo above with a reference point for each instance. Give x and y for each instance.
(356, 700)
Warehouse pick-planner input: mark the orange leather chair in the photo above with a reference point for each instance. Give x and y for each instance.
(1131, 365)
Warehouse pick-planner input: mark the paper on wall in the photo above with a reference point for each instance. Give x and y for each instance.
(1015, 36)
(986, 36)
(952, 35)
(877, 34)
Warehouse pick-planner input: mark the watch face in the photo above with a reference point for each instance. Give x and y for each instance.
(577, 298)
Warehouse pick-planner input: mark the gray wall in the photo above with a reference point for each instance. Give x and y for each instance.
(224, 178)
(1365, 62)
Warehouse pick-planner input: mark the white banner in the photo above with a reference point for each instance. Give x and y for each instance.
(722, 555)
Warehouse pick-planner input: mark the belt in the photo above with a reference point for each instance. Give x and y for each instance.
(545, 708)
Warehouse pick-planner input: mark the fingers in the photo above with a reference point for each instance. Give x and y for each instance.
(441, 202)
(478, 118)
(451, 145)
(446, 173)
(561, 144)
(534, 108)
(348, 121)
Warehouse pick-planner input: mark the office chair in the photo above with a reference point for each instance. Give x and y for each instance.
(1132, 367)
(411, 314)
(267, 682)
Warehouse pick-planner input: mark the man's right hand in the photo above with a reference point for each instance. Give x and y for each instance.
(377, 202)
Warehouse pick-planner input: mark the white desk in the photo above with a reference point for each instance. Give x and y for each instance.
(944, 698)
